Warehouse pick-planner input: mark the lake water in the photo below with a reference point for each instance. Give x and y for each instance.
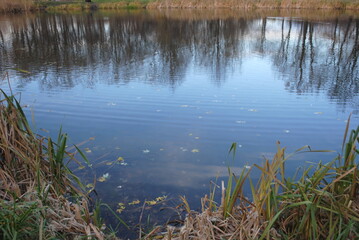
(161, 95)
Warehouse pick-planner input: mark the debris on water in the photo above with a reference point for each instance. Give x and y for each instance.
(151, 202)
(101, 179)
(146, 151)
(81, 167)
(190, 134)
(162, 149)
(241, 122)
(109, 163)
(42, 129)
(252, 110)
(120, 159)
(159, 199)
(88, 150)
(184, 149)
(196, 137)
(318, 113)
(119, 187)
(247, 166)
(120, 208)
(104, 177)
(195, 150)
(184, 106)
(134, 202)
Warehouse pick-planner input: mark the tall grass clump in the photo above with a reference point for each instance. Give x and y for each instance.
(322, 203)
(36, 183)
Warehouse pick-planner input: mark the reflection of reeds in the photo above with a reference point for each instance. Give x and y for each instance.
(34, 180)
(16, 5)
(322, 204)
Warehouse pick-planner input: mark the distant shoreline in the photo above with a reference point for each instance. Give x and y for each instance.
(18, 6)
(260, 4)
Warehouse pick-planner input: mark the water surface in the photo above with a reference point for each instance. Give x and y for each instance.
(170, 91)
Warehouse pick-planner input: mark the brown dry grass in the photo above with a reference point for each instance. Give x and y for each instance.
(322, 204)
(250, 4)
(33, 172)
(244, 223)
(16, 5)
(225, 13)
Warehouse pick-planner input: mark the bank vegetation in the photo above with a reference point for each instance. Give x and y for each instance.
(322, 202)
(40, 197)
(17, 6)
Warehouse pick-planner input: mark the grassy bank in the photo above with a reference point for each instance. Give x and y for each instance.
(258, 4)
(203, 4)
(18, 6)
(80, 5)
(40, 197)
(94, 5)
(320, 203)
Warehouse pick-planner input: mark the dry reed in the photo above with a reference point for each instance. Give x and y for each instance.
(260, 4)
(16, 5)
(322, 204)
(34, 180)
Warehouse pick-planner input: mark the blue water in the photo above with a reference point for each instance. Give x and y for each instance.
(169, 94)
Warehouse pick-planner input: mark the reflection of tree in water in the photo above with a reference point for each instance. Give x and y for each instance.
(66, 50)
(318, 56)
(62, 49)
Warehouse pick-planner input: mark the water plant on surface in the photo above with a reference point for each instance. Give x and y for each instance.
(323, 203)
(36, 184)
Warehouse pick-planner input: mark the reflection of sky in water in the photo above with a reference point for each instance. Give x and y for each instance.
(173, 121)
(251, 108)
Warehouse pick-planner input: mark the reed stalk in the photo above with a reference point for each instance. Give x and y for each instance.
(322, 203)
